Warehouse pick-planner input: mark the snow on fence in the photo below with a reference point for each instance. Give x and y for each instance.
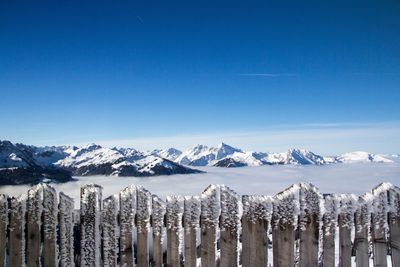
(296, 227)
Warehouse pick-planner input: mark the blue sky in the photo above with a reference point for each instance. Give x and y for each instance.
(178, 73)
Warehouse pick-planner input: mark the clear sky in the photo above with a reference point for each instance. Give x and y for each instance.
(263, 75)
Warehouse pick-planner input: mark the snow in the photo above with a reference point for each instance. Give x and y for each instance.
(361, 156)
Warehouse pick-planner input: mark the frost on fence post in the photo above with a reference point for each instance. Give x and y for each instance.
(90, 224)
(17, 231)
(394, 224)
(127, 212)
(34, 217)
(310, 216)
(380, 227)
(362, 223)
(257, 213)
(158, 226)
(3, 228)
(347, 208)
(286, 209)
(329, 224)
(191, 221)
(210, 212)
(110, 231)
(50, 212)
(231, 212)
(66, 226)
(143, 225)
(174, 229)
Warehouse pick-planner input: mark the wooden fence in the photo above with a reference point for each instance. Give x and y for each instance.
(296, 227)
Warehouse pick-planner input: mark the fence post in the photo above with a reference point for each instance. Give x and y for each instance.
(347, 206)
(394, 225)
(379, 221)
(174, 228)
(110, 231)
(158, 222)
(66, 209)
(191, 222)
(17, 231)
(209, 221)
(310, 200)
(143, 225)
(50, 214)
(34, 218)
(91, 195)
(3, 228)
(329, 221)
(257, 211)
(127, 202)
(284, 220)
(362, 221)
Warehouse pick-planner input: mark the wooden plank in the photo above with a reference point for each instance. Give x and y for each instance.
(34, 218)
(174, 227)
(284, 220)
(329, 221)
(379, 221)
(191, 221)
(127, 201)
(91, 196)
(230, 227)
(257, 212)
(348, 204)
(209, 221)
(157, 223)
(309, 225)
(17, 231)
(3, 228)
(66, 225)
(144, 201)
(362, 219)
(394, 225)
(110, 231)
(50, 222)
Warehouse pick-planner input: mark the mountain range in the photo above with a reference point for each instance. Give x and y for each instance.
(25, 164)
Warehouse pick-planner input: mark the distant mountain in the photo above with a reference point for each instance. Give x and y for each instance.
(227, 156)
(202, 155)
(23, 164)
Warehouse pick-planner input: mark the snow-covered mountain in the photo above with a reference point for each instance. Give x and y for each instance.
(21, 163)
(227, 156)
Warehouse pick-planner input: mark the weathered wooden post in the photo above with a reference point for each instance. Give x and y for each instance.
(34, 219)
(66, 226)
(210, 212)
(257, 212)
(127, 213)
(347, 208)
(394, 225)
(379, 223)
(91, 199)
(191, 222)
(143, 225)
(174, 228)
(3, 228)
(284, 221)
(362, 222)
(231, 212)
(110, 231)
(329, 221)
(50, 214)
(310, 200)
(158, 223)
(17, 231)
